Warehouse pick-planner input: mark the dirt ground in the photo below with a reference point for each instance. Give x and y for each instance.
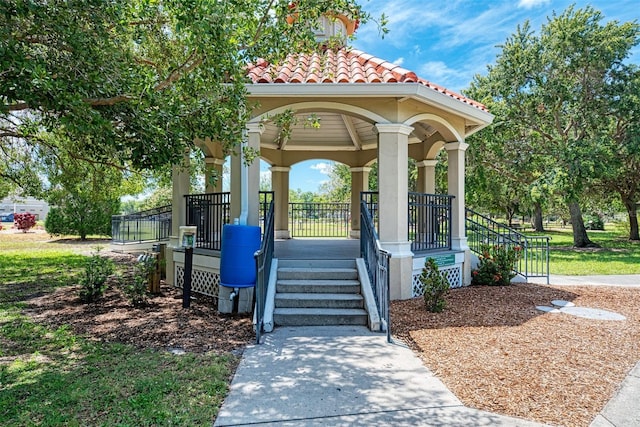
(490, 346)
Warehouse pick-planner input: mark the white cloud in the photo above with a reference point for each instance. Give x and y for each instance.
(436, 71)
(322, 167)
(530, 4)
(399, 61)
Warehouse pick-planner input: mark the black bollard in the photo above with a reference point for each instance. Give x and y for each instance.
(188, 266)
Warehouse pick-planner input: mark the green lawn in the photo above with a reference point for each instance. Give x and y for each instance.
(53, 377)
(617, 256)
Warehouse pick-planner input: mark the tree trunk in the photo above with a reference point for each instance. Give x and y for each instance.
(538, 224)
(580, 237)
(633, 218)
(510, 215)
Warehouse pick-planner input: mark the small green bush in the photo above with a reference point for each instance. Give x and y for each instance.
(435, 286)
(594, 222)
(497, 265)
(96, 272)
(135, 288)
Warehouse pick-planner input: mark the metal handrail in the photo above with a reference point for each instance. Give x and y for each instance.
(319, 219)
(429, 219)
(481, 230)
(264, 258)
(144, 226)
(377, 263)
(430, 222)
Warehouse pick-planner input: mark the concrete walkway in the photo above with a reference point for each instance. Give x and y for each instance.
(342, 376)
(348, 376)
(625, 280)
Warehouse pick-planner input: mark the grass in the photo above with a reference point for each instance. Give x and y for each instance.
(53, 377)
(617, 254)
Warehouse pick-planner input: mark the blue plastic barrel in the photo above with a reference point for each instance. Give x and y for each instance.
(237, 264)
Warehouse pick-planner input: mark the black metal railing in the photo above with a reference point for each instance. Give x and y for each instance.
(145, 226)
(481, 231)
(209, 212)
(266, 199)
(429, 222)
(319, 219)
(370, 198)
(377, 262)
(264, 257)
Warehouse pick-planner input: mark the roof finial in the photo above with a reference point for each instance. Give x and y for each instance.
(331, 28)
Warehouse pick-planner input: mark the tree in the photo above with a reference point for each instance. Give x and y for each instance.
(132, 83)
(621, 171)
(553, 88)
(83, 196)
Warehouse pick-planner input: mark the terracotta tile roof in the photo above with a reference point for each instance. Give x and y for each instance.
(342, 66)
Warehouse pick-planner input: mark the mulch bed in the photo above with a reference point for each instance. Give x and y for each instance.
(496, 352)
(160, 324)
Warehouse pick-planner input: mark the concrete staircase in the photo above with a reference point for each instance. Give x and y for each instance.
(318, 293)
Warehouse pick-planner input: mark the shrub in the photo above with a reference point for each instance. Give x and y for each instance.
(496, 266)
(96, 272)
(594, 222)
(435, 286)
(54, 222)
(24, 222)
(136, 288)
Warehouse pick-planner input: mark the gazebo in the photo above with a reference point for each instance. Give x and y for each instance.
(364, 109)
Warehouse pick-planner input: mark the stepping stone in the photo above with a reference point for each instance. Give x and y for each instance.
(562, 303)
(547, 309)
(592, 313)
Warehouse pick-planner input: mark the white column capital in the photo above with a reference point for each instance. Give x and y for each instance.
(280, 168)
(213, 161)
(400, 128)
(361, 169)
(255, 128)
(428, 163)
(456, 145)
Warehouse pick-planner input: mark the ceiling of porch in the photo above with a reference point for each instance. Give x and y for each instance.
(334, 132)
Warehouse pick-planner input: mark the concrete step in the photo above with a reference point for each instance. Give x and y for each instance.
(317, 263)
(319, 316)
(315, 273)
(309, 300)
(318, 286)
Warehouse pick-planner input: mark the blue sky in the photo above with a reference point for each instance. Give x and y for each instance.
(448, 42)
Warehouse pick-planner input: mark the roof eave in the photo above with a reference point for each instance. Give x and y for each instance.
(415, 91)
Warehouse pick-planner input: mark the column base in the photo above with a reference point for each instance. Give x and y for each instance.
(170, 278)
(461, 244)
(400, 269)
(283, 234)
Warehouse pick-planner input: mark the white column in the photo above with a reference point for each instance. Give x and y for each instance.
(393, 148)
(427, 176)
(455, 182)
(180, 188)
(235, 184)
(254, 130)
(280, 187)
(359, 183)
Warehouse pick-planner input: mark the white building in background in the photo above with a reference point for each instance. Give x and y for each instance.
(24, 205)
